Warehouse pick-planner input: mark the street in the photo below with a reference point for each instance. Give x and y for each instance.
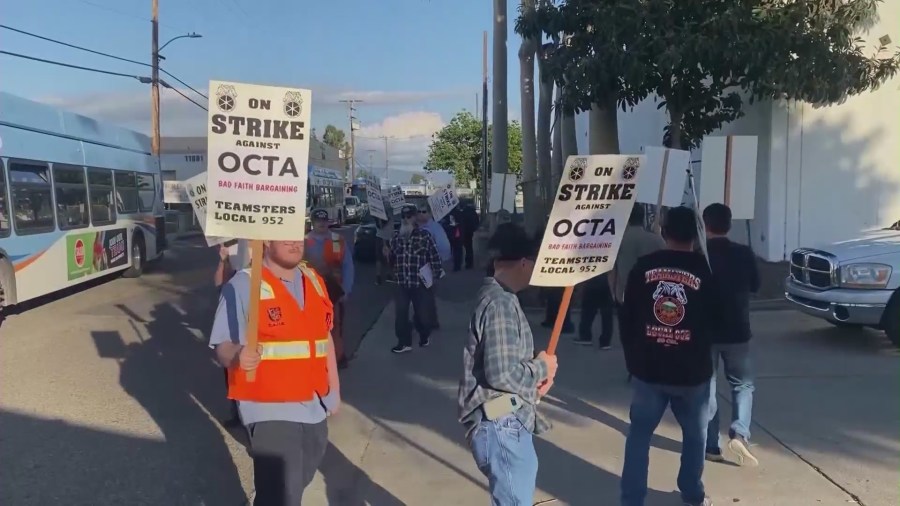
(111, 396)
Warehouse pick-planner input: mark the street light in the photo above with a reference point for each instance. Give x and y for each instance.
(192, 35)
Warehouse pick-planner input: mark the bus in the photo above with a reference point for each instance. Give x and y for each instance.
(79, 199)
(324, 190)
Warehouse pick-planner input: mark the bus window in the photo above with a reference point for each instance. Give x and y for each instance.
(32, 197)
(71, 197)
(100, 188)
(126, 192)
(146, 184)
(4, 207)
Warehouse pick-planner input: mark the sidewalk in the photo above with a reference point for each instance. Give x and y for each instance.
(397, 440)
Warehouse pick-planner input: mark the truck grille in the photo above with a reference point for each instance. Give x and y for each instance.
(814, 268)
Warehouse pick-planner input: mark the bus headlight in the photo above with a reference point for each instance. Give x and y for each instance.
(865, 275)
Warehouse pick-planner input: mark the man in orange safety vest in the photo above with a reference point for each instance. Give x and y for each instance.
(296, 384)
(326, 251)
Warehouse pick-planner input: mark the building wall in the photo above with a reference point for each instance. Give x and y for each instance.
(823, 173)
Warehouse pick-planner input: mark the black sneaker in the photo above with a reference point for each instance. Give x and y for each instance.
(715, 455)
(400, 348)
(568, 328)
(583, 341)
(423, 343)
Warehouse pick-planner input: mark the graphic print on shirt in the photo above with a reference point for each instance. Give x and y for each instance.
(669, 304)
(669, 301)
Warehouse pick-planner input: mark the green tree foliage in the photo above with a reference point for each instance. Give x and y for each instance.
(457, 148)
(702, 58)
(416, 178)
(336, 138)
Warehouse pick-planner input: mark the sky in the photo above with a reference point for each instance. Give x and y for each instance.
(413, 63)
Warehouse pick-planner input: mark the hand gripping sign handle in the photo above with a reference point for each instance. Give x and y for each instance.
(560, 319)
(256, 261)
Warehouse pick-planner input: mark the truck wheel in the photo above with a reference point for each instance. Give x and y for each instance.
(892, 321)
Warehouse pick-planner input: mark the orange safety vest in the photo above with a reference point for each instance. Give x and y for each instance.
(333, 256)
(294, 366)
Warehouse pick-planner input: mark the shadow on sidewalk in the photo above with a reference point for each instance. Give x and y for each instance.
(348, 485)
(419, 389)
(171, 374)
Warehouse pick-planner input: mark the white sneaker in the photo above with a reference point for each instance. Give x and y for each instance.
(705, 502)
(741, 449)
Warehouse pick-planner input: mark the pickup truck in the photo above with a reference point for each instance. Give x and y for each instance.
(854, 283)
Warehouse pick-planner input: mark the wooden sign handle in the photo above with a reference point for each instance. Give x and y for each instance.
(728, 153)
(256, 261)
(657, 223)
(560, 319)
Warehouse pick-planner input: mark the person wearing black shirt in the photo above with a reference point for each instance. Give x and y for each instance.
(736, 276)
(666, 335)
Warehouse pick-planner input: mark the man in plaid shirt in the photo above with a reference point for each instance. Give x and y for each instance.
(502, 379)
(411, 249)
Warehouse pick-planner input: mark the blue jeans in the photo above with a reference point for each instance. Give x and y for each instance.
(504, 452)
(739, 374)
(690, 405)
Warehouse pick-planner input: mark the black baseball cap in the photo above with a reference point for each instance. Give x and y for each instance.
(319, 214)
(510, 242)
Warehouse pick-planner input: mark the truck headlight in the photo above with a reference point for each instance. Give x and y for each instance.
(865, 275)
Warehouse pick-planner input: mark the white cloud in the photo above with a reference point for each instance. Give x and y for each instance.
(409, 135)
(409, 132)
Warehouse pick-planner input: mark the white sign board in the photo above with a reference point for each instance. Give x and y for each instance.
(663, 177)
(258, 161)
(442, 202)
(195, 189)
(589, 216)
(374, 197)
(174, 192)
(503, 193)
(397, 198)
(728, 174)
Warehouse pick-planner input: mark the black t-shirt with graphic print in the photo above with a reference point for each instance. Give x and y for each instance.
(668, 317)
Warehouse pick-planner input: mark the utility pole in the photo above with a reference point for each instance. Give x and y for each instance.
(484, 129)
(385, 156)
(353, 127)
(154, 93)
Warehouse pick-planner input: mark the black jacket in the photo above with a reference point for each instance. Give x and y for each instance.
(667, 319)
(736, 276)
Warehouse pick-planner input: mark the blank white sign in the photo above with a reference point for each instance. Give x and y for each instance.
(741, 179)
(650, 176)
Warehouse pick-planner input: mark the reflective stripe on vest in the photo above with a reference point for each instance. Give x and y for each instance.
(293, 350)
(335, 243)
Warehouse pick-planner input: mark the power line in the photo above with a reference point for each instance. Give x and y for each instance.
(61, 64)
(166, 85)
(73, 46)
(143, 79)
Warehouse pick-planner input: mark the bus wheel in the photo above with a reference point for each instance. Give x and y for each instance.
(138, 254)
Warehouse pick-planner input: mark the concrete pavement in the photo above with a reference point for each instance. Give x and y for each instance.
(110, 396)
(826, 422)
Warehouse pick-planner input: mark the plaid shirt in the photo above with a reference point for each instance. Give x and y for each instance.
(409, 254)
(499, 357)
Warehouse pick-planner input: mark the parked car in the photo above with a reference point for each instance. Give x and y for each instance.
(853, 283)
(353, 210)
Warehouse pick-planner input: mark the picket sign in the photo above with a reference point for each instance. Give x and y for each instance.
(663, 178)
(589, 216)
(729, 173)
(375, 197)
(257, 172)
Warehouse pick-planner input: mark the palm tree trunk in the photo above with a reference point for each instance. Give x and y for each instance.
(530, 192)
(544, 121)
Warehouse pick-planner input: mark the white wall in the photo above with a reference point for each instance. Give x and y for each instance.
(184, 168)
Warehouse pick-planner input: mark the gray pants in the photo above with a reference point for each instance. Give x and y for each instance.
(286, 456)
